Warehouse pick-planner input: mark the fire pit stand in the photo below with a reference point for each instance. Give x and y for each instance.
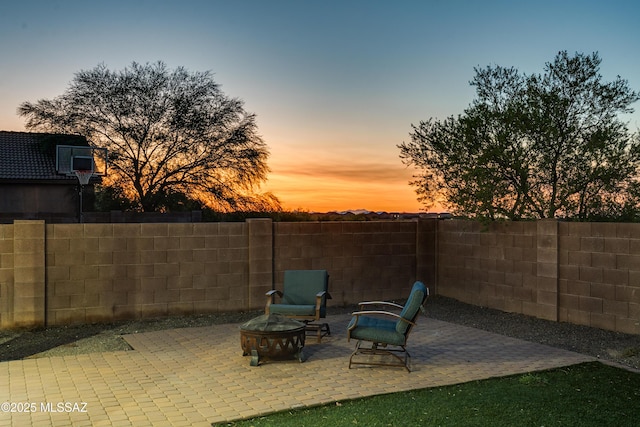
(272, 336)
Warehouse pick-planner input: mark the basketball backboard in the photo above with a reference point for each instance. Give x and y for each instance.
(72, 158)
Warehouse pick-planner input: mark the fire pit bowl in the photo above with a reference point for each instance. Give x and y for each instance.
(272, 336)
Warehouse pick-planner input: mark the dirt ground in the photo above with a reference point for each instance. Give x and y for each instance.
(59, 341)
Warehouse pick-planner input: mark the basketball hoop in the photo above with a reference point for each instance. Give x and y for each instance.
(84, 176)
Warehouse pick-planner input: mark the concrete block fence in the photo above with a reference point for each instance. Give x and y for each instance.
(56, 274)
(581, 273)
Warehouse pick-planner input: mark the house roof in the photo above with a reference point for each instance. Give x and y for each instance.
(24, 158)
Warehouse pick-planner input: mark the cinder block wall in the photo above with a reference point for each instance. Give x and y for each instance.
(492, 265)
(52, 274)
(101, 272)
(6, 275)
(426, 253)
(365, 260)
(599, 280)
(582, 273)
(59, 274)
(22, 274)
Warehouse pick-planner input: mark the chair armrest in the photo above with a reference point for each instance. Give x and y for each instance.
(270, 295)
(273, 292)
(357, 315)
(319, 296)
(363, 304)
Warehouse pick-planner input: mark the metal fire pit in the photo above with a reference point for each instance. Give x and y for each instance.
(272, 336)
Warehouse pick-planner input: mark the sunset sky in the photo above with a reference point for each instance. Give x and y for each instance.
(336, 84)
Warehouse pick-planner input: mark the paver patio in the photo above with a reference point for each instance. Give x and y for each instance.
(198, 376)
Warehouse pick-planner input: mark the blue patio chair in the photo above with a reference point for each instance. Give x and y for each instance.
(385, 330)
(304, 297)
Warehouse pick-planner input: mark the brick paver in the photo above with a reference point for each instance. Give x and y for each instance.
(198, 376)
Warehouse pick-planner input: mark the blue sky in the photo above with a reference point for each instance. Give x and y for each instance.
(336, 85)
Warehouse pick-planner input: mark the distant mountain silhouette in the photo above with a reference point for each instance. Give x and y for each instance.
(367, 215)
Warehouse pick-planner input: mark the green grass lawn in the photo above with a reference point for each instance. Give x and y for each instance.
(590, 394)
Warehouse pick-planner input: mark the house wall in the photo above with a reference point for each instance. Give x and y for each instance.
(34, 201)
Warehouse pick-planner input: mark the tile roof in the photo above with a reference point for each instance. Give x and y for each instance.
(23, 159)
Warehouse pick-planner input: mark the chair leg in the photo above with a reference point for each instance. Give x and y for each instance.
(374, 350)
(321, 329)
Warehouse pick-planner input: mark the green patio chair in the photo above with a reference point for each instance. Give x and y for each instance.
(304, 297)
(387, 331)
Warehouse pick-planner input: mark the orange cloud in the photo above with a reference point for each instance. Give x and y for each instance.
(334, 186)
(364, 172)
